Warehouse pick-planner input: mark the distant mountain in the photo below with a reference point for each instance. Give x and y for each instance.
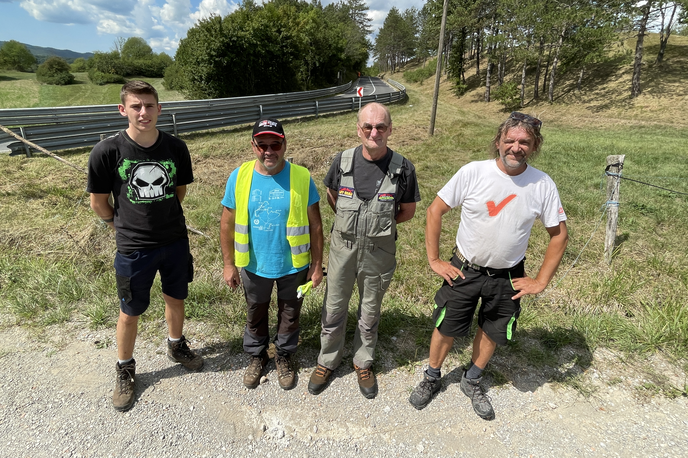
(42, 53)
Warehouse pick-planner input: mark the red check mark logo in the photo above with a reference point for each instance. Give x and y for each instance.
(494, 210)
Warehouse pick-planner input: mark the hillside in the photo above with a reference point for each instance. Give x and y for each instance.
(604, 96)
(42, 53)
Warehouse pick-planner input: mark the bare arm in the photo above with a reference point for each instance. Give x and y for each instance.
(315, 272)
(181, 193)
(558, 239)
(433, 228)
(230, 272)
(332, 198)
(102, 208)
(406, 212)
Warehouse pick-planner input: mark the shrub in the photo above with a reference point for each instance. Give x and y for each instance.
(79, 65)
(508, 95)
(173, 80)
(55, 70)
(100, 78)
(420, 74)
(459, 88)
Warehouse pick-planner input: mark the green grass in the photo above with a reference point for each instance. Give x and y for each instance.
(22, 90)
(56, 257)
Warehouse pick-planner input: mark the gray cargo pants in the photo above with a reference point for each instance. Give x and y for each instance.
(369, 265)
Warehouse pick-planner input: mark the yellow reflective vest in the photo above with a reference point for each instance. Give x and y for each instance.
(298, 233)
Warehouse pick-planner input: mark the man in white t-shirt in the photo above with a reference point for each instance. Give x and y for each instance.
(500, 199)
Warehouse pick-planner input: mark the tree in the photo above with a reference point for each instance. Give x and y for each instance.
(136, 48)
(79, 65)
(396, 41)
(15, 56)
(55, 70)
(277, 46)
(666, 25)
(645, 11)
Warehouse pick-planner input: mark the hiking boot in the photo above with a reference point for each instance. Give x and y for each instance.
(366, 382)
(255, 370)
(179, 352)
(285, 373)
(424, 392)
(481, 402)
(123, 396)
(319, 378)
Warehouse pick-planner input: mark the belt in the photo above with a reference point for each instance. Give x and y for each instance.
(485, 270)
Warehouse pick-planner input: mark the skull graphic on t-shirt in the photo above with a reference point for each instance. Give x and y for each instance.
(149, 180)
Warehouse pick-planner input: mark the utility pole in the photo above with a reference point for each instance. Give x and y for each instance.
(431, 131)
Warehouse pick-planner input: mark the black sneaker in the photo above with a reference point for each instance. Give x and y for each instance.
(255, 370)
(285, 373)
(124, 395)
(319, 378)
(481, 402)
(424, 392)
(179, 352)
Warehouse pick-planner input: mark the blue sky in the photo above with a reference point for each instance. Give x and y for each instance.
(93, 25)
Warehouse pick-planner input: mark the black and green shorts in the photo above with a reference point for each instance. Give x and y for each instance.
(455, 305)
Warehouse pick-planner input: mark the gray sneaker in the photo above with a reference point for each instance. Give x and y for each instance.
(481, 402)
(424, 392)
(179, 352)
(124, 395)
(285, 373)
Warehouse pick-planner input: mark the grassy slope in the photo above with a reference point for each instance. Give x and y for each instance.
(22, 90)
(636, 304)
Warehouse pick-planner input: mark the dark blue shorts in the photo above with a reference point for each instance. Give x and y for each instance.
(136, 271)
(455, 305)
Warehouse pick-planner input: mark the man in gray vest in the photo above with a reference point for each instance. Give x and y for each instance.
(371, 189)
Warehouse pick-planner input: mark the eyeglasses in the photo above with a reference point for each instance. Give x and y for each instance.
(367, 128)
(535, 122)
(275, 146)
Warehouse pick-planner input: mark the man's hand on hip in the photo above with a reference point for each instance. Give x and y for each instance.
(527, 285)
(446, 270)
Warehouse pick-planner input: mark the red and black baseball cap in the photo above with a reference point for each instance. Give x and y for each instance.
(268, 126)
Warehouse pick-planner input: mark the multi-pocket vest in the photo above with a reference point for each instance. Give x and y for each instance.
(373, 219)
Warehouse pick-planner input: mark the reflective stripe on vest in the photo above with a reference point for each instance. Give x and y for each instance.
(297, 231)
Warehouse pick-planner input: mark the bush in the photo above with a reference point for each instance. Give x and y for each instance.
(100, 79)
(459, 88)
(420, 74)
(508, 95)
(79, 65)
(173, 80)
(55, 70)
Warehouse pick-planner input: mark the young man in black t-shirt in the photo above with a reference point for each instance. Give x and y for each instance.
(146, 171)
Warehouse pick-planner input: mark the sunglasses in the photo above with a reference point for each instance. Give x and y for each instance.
(367, 128)
(275, 146)
(535, 122)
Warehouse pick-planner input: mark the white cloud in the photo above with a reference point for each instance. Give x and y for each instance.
(165, 44)
(176, 12)
(60, 11)
(209, 7)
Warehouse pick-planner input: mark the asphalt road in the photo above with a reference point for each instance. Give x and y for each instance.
(371, 86)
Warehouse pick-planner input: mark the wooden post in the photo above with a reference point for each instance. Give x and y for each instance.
(613, 171)
(438, 71)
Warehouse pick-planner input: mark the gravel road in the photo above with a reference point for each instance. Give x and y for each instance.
(55, 401)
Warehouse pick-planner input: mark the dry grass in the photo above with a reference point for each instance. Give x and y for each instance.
(47, 227)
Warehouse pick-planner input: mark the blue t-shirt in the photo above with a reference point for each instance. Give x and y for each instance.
(268, 209)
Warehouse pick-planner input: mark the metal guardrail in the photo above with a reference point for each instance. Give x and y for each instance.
(75, 127)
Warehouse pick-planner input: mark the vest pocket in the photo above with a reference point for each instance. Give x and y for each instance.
(345, 221)
(379, 224)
